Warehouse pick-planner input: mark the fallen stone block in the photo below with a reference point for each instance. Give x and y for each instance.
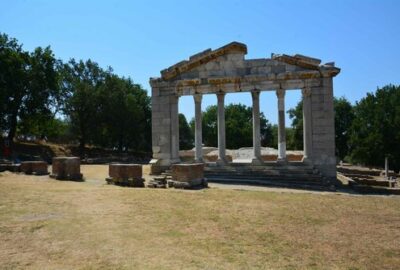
(125, 175)
(187, 175)
(34, 167)
(14, 167)
(66, 168)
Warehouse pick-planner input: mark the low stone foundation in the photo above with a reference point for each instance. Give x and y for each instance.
(34, 167)
(125, 175)
(8, 166)
(188, 175)
(66, 168)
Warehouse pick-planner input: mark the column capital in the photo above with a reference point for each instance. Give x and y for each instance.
(280, 93)
(197, 97)
(255, 94)
(306, 91)
(221, 96)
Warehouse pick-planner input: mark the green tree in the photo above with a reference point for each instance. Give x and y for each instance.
(81, 84)
(186, 138)
(344, 117)
(124, 115)
(375, 132)
(238, 124)
(294, 135)
(29, 84)
(343, 120)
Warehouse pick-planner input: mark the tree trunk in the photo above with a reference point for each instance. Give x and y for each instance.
(82, 147)
(12, 131)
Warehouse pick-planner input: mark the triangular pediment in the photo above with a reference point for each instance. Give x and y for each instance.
(202, 58)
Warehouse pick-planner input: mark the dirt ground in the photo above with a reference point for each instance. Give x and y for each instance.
(50, 224)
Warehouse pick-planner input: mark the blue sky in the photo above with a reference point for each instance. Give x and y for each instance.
(140, 38)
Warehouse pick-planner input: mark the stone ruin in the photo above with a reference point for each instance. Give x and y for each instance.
(34, 167)
(226, 71)
(125, 175)
(66, 168)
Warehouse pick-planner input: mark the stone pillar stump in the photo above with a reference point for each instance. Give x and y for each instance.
(34, 167)
(66, 168)
(125, 175)
(188, 175)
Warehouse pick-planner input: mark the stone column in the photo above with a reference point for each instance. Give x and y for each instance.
(174, 100)
(280, 93)
(256, 128)
(198, 129)
(307, 126)
(221, 128)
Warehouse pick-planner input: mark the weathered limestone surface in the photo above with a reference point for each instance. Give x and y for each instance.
(66, 168)
(34, 167)
(192, 174)
(126, 175)
(125, 170)
(225, 70)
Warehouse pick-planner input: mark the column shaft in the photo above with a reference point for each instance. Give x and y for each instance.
(307, 127)
(174, 129)
(256, 127)
(281, 125)
(221, 128)
(198, 128)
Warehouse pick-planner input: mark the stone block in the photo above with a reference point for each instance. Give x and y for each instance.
(66, 168)
(34, 167)
(125, 171)
(191, 174)
(125, 175)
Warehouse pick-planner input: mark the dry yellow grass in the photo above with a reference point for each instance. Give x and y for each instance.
(49, 224)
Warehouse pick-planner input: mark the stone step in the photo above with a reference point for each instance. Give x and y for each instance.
(273, 183)
(292, 178)
(265, 171)
(260, 168)
(266, 164)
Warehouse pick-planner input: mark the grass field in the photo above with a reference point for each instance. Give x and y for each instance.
(48, 224)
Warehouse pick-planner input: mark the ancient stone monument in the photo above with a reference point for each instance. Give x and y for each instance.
(66, 168)
(226, 71)
(125, 175)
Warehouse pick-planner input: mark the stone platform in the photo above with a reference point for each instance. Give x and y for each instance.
(66, 168)
(125, 175)
(290, 175)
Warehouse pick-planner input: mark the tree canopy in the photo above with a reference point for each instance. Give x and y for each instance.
(29, 84)
(76, 101)
(375, 131)
(239, 127)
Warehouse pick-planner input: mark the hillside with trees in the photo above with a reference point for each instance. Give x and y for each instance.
(82, 104)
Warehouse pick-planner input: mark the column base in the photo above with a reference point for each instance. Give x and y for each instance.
(198, 160)
(175, 160)
(221, 161)
(282, 160)
(306, 160)
(257, 161)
